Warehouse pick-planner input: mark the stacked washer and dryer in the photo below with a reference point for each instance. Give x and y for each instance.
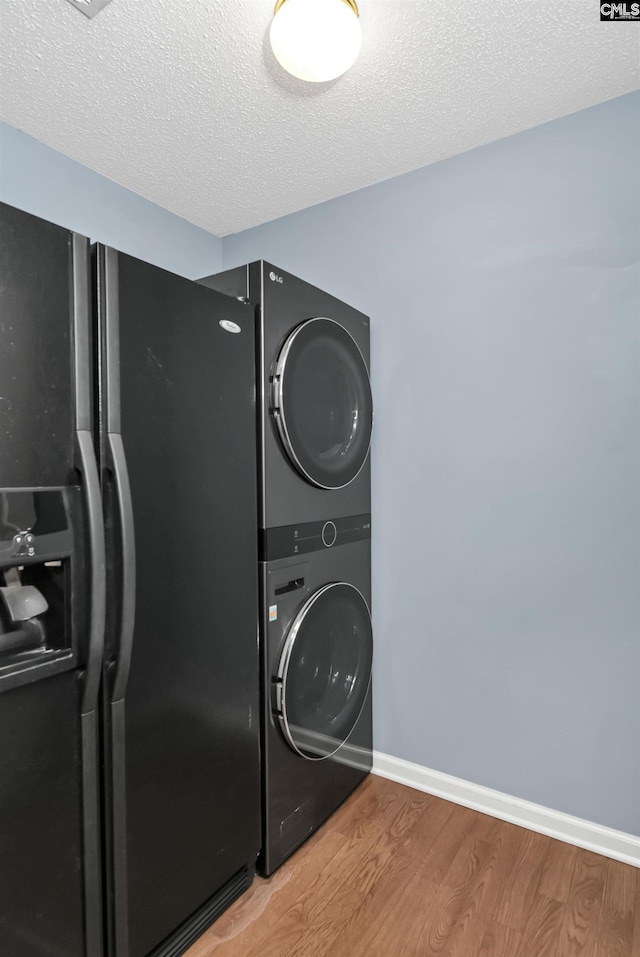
(314, 489)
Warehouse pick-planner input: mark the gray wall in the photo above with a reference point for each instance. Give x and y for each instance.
(504, 291)
(42, 181)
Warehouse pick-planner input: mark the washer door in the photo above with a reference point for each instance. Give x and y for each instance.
(322, 403)
(325, 671)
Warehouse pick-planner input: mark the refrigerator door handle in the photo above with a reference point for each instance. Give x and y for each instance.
(86, 461)
(128, 566)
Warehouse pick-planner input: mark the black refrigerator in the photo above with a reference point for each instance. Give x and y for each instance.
(129, 702)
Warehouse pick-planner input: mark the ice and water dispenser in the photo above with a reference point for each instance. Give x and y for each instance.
(38, 569)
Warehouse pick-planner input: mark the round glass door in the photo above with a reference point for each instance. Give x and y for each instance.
(325, 671)
(322, 403)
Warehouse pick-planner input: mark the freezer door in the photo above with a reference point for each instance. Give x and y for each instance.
(51, 597)
(178, 447)
(36, 372)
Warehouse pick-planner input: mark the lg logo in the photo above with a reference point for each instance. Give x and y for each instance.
(274, 278)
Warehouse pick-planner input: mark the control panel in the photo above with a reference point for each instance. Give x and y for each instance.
(287, 541)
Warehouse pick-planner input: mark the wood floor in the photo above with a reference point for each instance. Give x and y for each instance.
(398, 873)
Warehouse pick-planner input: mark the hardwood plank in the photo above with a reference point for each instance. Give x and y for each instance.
(483, 830)
(373, 796)
(583, 905)
(447, 843)
(380, 895)
(542, 931)
(394, 826)
(557, 870)
(403, 908)
(404, 899)
(392, 923)
(397, 850)
(499, 941)
(473, 930)
(403, 904)
(348, 913)
(364, 878)
(515, 903)
(462, 906)
(497, 936)
(635, 946)
(614, 936)
(427, 828)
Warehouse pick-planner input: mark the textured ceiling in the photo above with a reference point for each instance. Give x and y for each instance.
(183, 102)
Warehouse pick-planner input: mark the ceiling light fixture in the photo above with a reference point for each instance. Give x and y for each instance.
(90, 7)
(316, 40)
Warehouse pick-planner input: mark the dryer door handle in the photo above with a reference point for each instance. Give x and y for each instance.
(294, 585)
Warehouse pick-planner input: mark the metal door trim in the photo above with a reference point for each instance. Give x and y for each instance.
(278, 405)
(285, 659)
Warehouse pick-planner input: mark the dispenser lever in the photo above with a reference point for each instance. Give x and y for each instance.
(23, 601)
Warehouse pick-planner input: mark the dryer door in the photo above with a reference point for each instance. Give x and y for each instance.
(325, 671)
(322, 403)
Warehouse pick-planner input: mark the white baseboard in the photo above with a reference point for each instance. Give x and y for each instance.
(563, 827)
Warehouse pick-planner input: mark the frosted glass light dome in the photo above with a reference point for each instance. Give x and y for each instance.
(316, 40)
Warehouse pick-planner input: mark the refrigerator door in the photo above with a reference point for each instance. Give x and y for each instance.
(51, 597)
(179, 481)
